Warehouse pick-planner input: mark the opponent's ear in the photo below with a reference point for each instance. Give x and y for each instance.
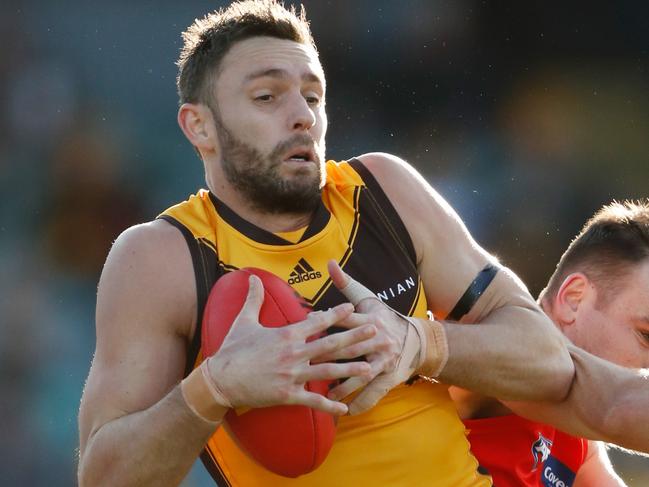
(570, 296)
(197, 123)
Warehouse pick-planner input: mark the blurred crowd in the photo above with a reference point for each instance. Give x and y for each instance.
(527, 118)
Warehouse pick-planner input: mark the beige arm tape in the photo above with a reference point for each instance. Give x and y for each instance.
(434, 347)
(203, 396)
(433, 351)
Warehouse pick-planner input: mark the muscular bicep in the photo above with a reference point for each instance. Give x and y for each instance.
(521, 348)
(463, 281)
(449, 259)
(145, 309)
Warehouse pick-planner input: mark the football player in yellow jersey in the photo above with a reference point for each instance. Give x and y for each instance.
(252, 94)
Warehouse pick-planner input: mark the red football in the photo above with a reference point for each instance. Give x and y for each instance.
(287, 440)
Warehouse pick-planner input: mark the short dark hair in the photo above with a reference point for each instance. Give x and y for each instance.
(207, 40)
(610, 243)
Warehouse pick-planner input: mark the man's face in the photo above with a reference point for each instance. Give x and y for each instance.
(618, 329)
(271, 123)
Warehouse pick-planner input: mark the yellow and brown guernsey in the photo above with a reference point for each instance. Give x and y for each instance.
(413, 436)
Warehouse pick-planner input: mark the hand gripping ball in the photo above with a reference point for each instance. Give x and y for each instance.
(287, 440)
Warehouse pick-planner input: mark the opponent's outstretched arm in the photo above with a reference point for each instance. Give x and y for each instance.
(514, 351)
(137, 425)
(606, 402)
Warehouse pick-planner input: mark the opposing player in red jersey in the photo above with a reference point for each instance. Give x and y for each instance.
(599, 297)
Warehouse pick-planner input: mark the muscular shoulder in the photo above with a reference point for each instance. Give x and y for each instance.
(388, 167)
(155, 237)
(422, 209)
(149, 267)
(405, 187)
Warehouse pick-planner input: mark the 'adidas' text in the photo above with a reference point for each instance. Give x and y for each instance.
(305, 277)
(303, 272)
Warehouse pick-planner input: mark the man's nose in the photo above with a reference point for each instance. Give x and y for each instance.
(302, 116)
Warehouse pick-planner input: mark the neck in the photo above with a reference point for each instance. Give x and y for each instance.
(269, 221)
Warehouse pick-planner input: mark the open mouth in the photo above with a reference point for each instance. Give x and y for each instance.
(300, 154)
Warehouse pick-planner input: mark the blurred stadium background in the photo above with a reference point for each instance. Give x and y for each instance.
(526, 116)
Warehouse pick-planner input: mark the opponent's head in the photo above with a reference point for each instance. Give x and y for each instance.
(252, 93)
(599, 292)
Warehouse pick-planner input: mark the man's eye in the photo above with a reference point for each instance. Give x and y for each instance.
(264, 98)
(644, 336)
(312, 100)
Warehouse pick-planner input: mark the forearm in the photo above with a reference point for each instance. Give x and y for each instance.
(606, 402)
(612, 400)
(156, 446)
(518, 356)
(627, 422)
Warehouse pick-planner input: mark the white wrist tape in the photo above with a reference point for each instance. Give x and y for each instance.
(355, 292)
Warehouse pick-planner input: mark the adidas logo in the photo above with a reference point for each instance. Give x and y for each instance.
(303, 272)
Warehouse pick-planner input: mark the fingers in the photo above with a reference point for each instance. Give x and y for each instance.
(378, 364)
(371, 394)
(330, 371)
(337, 345)
(353, 350)
(353, 290)
(349, 386)
(354, 320)
(318, 401)
(319, 321)
(254, 300)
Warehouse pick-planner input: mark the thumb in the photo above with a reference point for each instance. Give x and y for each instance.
(338, 276)
(254, 300)
(353, 290)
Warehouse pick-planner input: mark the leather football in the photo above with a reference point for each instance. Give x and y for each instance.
(288, 440)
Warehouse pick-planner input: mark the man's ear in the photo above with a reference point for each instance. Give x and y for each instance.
(197, 123)
(574, 289)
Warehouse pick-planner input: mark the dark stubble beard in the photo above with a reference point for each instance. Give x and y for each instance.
(257, 176)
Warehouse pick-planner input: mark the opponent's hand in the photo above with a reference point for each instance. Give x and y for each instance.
(258, 366)
(402, 346)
